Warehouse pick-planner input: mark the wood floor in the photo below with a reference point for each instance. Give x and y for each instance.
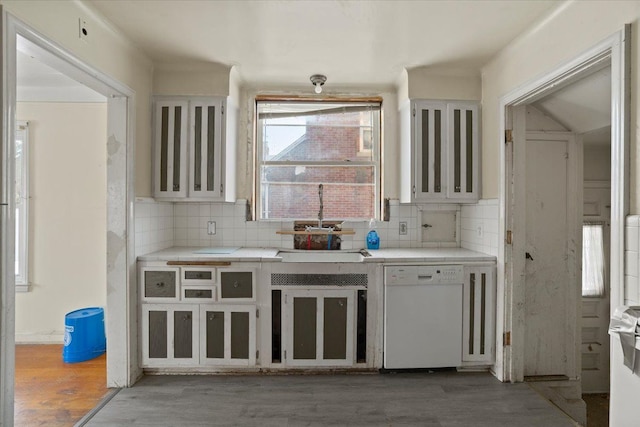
(417, 399)
(49, 392)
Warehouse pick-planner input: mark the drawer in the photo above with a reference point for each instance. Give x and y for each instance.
(236, 285)
(160, 284)
(198, 275)
(199, 294)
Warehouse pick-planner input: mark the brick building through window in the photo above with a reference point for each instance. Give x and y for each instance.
(304, 144)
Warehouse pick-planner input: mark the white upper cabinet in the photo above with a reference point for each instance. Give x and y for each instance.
(190, 148)
(440, 152)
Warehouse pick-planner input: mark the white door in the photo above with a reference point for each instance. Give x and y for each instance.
(595, 309)
(551, 293)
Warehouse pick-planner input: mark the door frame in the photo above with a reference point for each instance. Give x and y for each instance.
(614, 50)
(120, 320)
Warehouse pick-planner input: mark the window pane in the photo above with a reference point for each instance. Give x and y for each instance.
(592, 260)
(296, 138)
(292, 192)
(302, 132)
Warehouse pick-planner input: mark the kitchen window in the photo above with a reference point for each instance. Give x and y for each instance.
(22, 206)
(302, 144)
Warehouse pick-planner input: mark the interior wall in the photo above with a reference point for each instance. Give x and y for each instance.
(540, 50)
(108, 51)
(67, 209)
(209, 79)
(597, 163)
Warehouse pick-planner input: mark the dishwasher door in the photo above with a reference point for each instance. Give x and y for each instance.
(423, 317)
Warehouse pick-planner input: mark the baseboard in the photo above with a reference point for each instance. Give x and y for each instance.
(52, 338)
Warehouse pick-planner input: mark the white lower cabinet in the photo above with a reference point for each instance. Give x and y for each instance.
(478, 315)
(319, 327)
(170, 335)
(227, 335)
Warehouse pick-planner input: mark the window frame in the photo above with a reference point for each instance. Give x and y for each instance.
(22, 210)
(376, 161)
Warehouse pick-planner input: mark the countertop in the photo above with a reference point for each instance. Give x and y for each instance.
(387, 255)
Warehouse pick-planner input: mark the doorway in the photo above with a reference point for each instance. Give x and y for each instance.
(607, 59)
(120, 263)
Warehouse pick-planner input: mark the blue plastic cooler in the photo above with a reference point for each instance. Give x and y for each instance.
(84, 337)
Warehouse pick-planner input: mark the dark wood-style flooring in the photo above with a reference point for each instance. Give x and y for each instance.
(49, 392)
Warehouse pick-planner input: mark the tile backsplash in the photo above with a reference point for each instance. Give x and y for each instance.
(160, 225)
(479, 226)
(632, 260)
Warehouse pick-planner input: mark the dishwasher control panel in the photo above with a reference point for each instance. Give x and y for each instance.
(423, 274)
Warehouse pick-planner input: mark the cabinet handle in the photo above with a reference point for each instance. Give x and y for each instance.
(160, 284)
(186, 317)
(457, 188)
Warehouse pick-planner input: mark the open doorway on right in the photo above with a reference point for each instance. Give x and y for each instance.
(584, 109)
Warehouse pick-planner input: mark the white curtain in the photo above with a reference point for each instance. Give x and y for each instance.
(592, 260)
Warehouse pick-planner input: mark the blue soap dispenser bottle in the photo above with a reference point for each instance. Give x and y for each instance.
(373, 240)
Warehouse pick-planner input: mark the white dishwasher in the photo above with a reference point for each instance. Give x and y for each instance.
(423, 316)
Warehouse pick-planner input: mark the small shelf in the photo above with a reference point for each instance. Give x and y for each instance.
(316, 233)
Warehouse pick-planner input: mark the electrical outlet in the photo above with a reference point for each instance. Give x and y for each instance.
(403, 228)
(83, 30)
(211, 227)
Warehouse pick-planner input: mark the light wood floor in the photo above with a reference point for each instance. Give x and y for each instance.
(49, 392)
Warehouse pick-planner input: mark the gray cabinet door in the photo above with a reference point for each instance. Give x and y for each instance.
(236, 285)
(320, 327)
(170, 145)
(170, 335)
(228, 335)
(159, 284)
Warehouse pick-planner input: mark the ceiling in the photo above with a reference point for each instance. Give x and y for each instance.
(354, 43)
(584, 107)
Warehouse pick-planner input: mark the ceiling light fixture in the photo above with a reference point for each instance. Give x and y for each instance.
(318, 80)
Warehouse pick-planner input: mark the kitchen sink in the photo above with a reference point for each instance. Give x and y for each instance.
(322, 256)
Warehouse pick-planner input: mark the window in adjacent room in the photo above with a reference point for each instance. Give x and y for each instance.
(593, 260)
(22, 204)
(302, 144)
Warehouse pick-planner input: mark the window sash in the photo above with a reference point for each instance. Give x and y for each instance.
(22, 206)
(363, 159)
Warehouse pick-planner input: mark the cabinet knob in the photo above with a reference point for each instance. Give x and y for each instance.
(176, 187)
(457, 188)
(236, 284)
(341, 303)
(212, 316)
(160, 284)
(187, 317)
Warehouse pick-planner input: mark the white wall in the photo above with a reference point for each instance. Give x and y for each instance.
(108, 51)
(597, 163)
(67, 225)
(565, 33)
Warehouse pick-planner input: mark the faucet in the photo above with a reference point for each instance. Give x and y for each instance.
(321, 206)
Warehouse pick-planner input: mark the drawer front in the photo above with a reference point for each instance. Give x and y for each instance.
(236, 285)
(199, 294)
(160, 284)
(198, 275)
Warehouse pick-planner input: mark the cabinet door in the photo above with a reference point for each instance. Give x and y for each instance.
(159, 284)
(170, 335)
(319, 327)
(170, 145)
(430, 150)
(228, 335)
(237, 285)
(478, 315)
(205, 146)
(463, 145)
